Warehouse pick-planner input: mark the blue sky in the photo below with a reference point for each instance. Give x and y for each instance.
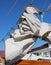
(9, 20)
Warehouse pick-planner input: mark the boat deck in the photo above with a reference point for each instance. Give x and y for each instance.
(34, 62)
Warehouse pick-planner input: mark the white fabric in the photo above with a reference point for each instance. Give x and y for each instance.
(31, 10)
(13, 48)
(21, 40)
(32, 18)
(44, 28)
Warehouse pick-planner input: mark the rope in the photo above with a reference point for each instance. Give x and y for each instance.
(12, 7)
(42, 15)
(9, 31)
(49, 7)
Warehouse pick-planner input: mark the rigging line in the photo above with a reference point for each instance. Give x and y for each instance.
(42, 15)
(49, 7)
(12, 28)
(5, 19)
(12, 7)
(8, 32)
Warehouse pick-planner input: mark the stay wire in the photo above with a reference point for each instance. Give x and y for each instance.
(42, 15)
(12, 7)
(9, 31)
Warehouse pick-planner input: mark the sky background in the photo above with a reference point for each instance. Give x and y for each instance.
(11, 11)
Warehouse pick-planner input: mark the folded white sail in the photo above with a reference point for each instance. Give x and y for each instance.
(23, 38)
